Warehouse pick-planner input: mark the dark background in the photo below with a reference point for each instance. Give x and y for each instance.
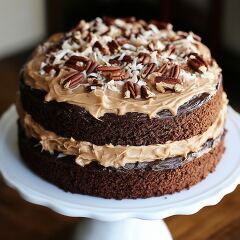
(207, 18)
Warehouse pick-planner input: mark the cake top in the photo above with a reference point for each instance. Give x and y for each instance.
(123, 65)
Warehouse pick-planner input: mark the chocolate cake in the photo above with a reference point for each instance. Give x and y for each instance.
(122, 108)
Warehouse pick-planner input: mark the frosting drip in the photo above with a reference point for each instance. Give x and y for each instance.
(116, 156)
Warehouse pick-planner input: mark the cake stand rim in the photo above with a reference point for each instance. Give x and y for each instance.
(108, 214)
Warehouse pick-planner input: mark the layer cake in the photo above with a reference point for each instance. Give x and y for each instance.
(122, 108)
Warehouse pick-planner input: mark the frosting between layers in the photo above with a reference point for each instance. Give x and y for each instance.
(116, 156)
(110, 98)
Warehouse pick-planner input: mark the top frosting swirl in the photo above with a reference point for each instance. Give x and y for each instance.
(123, 65)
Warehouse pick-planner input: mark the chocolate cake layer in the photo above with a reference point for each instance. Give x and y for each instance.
(133, 128)
(96, 180)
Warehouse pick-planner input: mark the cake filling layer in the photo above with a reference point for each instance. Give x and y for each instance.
(116, 156)
(132, 181)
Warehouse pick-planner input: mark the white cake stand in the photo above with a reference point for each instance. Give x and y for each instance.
(125, 219)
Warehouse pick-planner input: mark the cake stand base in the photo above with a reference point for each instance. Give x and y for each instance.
(129, 229)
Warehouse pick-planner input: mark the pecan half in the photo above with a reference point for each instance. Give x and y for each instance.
(72, 80)
(144, 58)
(163, 69)
(146, 93)
(104, 68)
(174, 71)
(90, 66)
(164, 83)
(50, 68)
(131, 90)
(148, 69)
(113, 72)
(117, 76)
(197, 63)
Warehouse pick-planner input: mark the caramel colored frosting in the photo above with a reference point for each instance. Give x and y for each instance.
(49, 67)
(116, 156)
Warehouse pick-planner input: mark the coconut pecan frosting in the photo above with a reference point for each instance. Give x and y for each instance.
(123, 65)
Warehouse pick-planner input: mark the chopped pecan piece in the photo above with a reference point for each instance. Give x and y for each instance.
(131, 90)
(146, 93)
(164, 83)
(142, 22)
(101, 48)
(151, 47)
(127, 59)
(106, 32)
(129, 19)
(115, 61)
(144, 58)
(72, 80)
(113, 46)
(108, 20)
(88, 38)
(77, 62)
(122, 40)
(171, 49)
(148, 69)
(126, 33)
(160, 24)
(197, 63)
(185, 35)
(50, 68)
(197, 38)
(94, 83)
(80, 26)
(211, 61)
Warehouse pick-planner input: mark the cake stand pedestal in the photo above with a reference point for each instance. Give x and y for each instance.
(120, 219)
(128, 229)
